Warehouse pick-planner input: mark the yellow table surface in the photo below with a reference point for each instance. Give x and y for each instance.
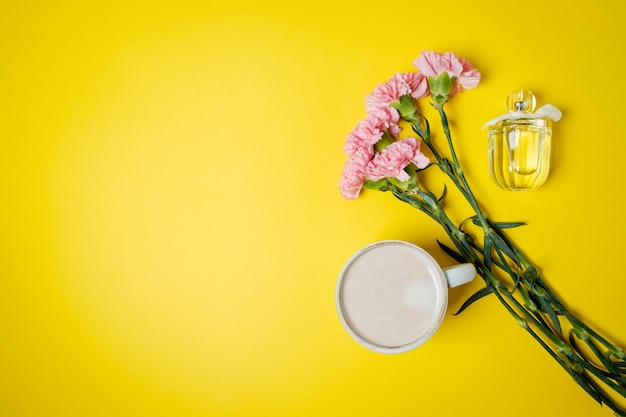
(172, 229)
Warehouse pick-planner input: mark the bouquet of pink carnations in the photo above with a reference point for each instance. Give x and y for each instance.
(379, 159)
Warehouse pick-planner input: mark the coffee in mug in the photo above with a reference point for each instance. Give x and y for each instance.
(392, 295)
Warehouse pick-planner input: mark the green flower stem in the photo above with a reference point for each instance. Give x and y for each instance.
(530, 301)
(460, 240)
(563, 352)
(453, 170)
(579, 325)
(467, 192)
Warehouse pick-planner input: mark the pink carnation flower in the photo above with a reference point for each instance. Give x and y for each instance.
(432, 64)
(354, 174)
(387, 93)
(392, 160)
(398, 85)
(371, 129)
(387, 118)
(418, 84)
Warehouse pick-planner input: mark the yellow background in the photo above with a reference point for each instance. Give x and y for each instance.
(172, 229)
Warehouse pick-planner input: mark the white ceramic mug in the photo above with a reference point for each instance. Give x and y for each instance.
(392, 295)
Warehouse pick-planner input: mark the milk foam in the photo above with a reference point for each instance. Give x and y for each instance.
(392, 295)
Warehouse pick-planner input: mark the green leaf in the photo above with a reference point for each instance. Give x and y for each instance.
(430, 199)
(553, 298)
(531, 275)
(475, 297)
(501, 245)
(507, 225)
(504, 265)
(403, 197)
(587, 385)
(475, 220)
(462, 224)
(443, 194)
(539, 297)
(452, 253)
(499, 225)
(487, 252)
(414, 202)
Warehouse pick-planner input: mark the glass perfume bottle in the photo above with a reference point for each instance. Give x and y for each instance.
(520, 141)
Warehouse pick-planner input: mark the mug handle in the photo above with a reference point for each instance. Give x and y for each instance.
(459, 274)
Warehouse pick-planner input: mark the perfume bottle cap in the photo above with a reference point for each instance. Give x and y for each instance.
(520, 101)
(521, 105)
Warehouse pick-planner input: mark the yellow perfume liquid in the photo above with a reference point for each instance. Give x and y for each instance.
(519, 154)
(519, 143)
